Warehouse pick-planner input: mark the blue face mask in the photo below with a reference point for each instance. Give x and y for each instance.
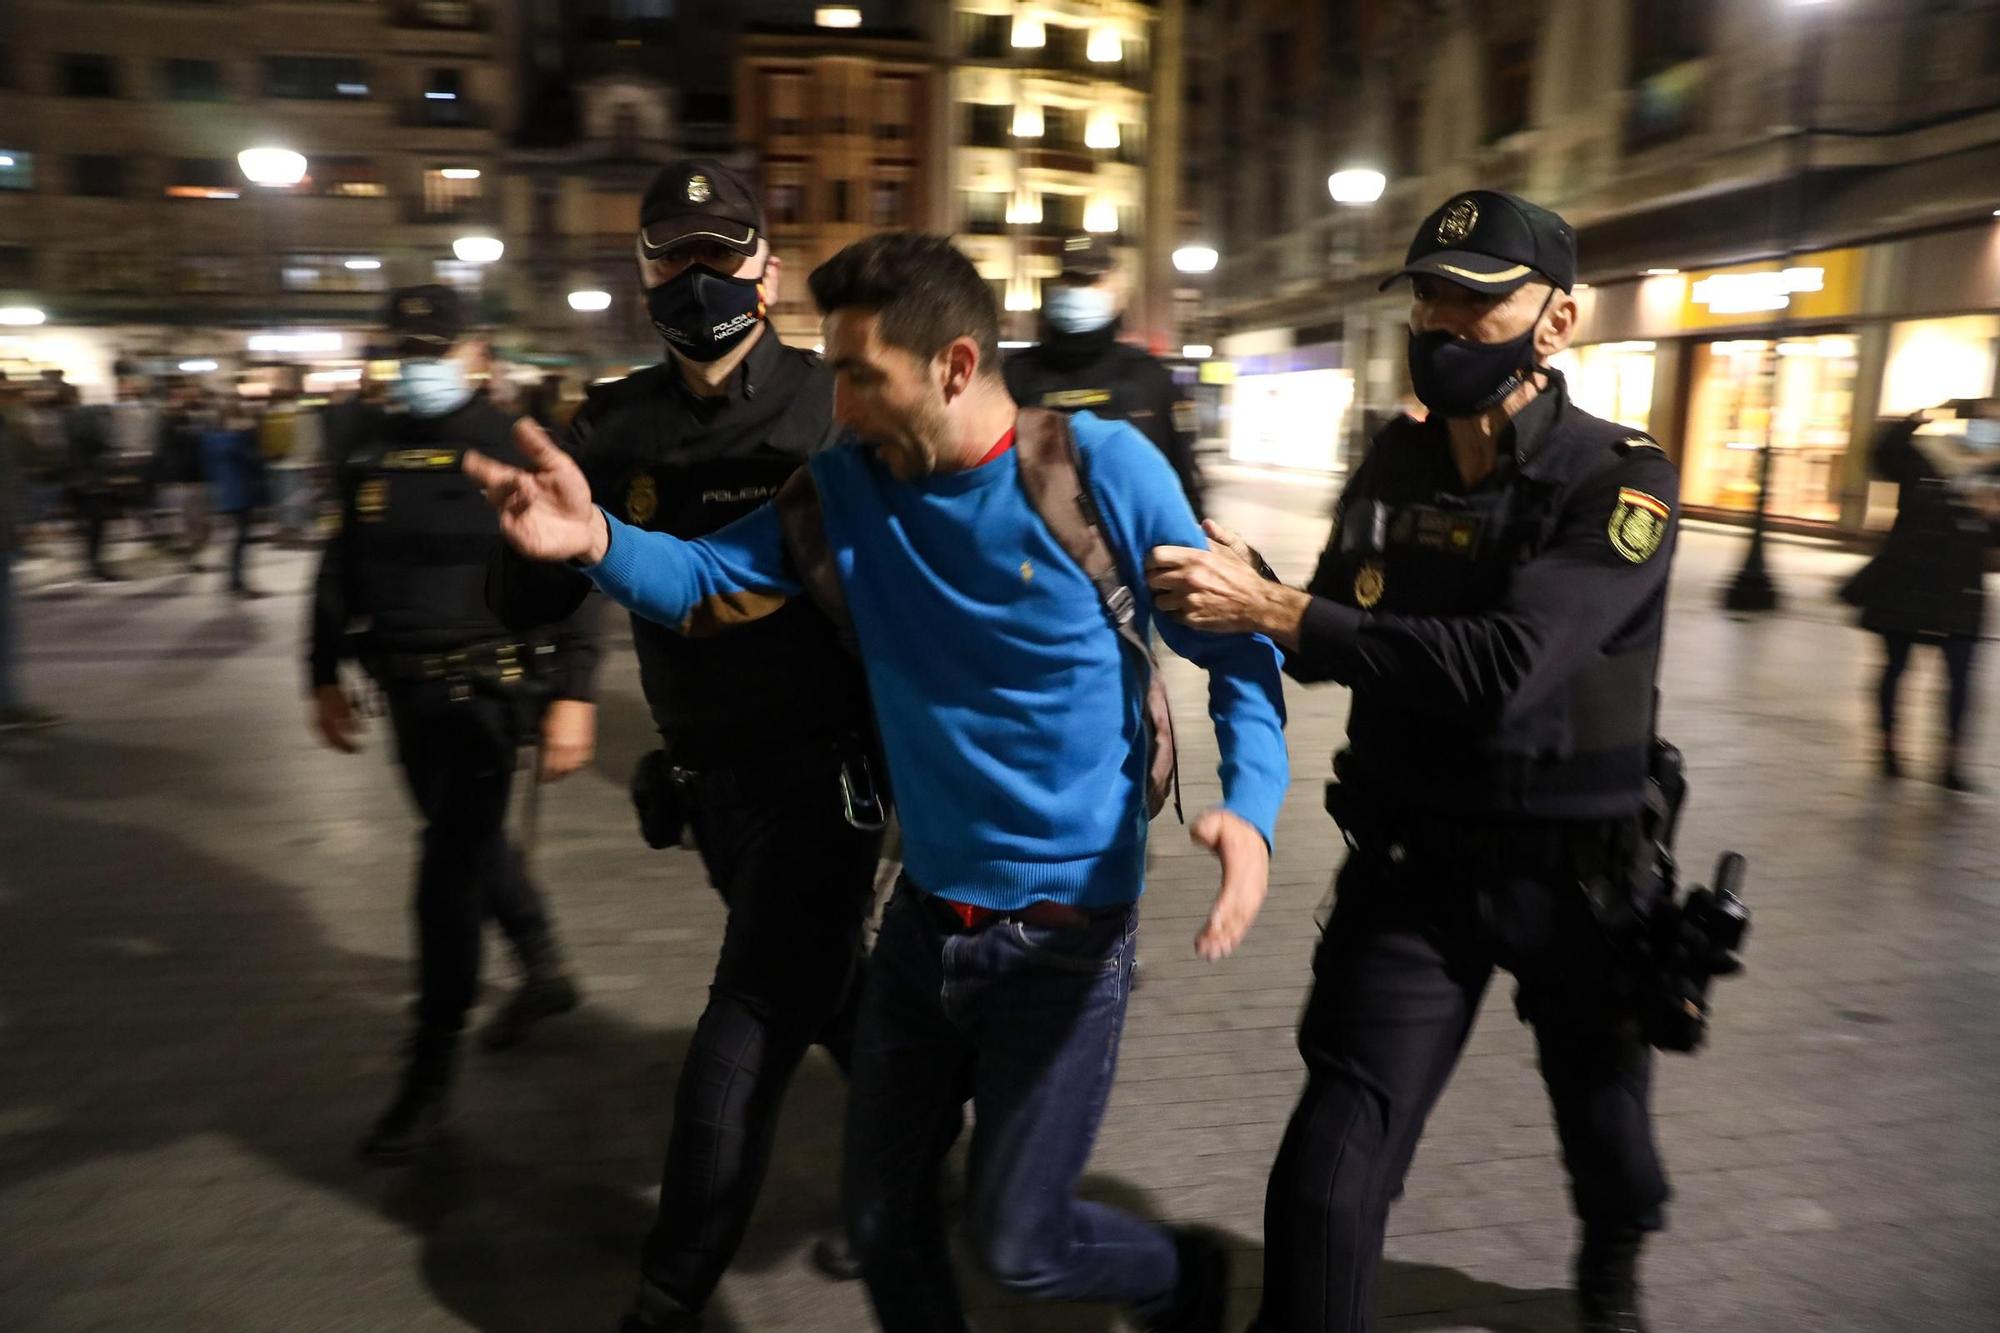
(433, 388)
(1078, 309)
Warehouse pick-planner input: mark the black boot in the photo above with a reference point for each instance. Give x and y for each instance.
(1201, 1299)
(833, 1255)
(1607, 1280)
(416, 1119)
(654, 1311)
(545, 991)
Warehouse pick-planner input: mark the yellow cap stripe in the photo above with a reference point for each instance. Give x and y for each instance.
(1504, 275)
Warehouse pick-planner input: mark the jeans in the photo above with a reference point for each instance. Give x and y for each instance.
(459, 759)
(239, 549)
(799, 881)
(10, 694)
(1413, 940)
(1025, 1020)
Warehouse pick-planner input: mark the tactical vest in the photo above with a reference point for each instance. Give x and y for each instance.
(418, 534)
(1404, 548)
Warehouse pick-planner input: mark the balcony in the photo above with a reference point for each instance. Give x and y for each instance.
(1078, 161)
(460, 113)
(443, 15)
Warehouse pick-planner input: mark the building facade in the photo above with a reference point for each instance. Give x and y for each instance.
(1064, 118)
(842, 126)
(1786, 214)
(126, 221)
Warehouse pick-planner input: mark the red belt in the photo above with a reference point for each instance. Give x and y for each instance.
(1041, 912)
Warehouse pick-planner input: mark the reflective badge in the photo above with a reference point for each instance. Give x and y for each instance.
(699, 191)
(1069, 400)
(1027, 571)
(642, 499)
(1368, 585)
(371, 498)
(1638, 525)
(1458, 222)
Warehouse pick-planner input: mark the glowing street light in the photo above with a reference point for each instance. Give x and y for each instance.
(21, 316)
(460, 173)
(1356, 185)
(478, 249)
(276, 168)
(363, 264)
(1195, 259)
(201, 366)
(589, 302)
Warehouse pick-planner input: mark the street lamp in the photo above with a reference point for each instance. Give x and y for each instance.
(1752, 588)
(21, 316)
(478, 249)
(274, 168)
(589, 302)
(1195, 259)
(1356, 185)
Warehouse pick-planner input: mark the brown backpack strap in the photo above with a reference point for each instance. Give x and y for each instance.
(804, 527)
(1052, 474)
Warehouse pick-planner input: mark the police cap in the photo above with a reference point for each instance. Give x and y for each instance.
(698, 198)
(1492, 243)
(1087, 256)
(430, 315)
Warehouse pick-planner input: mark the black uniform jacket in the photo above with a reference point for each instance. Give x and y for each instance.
(1502, 639)
(1094, 372)
(661, 457)
(406, 573)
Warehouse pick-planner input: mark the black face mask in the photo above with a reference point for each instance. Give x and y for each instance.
(703, 313)
(1457, 377)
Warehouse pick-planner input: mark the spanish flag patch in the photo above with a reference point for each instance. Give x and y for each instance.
(1638, 525)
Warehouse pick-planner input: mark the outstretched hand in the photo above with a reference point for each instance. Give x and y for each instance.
(545, 507)
(1246, 877)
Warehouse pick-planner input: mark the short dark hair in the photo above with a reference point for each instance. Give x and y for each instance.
(925, 290)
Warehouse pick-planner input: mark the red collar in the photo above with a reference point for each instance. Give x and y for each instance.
(1006, 443)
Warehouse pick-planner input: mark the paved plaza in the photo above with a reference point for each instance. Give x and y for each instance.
(204, 967)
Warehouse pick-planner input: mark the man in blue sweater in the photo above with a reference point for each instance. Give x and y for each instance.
(1015, 735)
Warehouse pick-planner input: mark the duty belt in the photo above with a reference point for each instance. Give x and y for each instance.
(762, 778)
(497, 663)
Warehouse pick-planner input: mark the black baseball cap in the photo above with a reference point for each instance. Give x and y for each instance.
(1087, 256)
(698, 198)
(1492, 243)
(431, 315)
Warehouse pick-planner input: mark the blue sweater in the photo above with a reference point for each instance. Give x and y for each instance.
(1010, 714)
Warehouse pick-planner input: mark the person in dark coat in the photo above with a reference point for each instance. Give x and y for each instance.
(235, 473)
(1927, 585)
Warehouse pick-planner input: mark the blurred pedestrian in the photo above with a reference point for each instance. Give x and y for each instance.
(1493, 592)
(91, 475)
(408, 565)
(1082, 365)
(181, 475)
(1928, 583)
(15, 446)
(235, 473)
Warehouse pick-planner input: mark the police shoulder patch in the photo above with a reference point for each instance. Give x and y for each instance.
(1638, 525)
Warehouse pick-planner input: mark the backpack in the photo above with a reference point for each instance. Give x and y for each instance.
(1058, 489)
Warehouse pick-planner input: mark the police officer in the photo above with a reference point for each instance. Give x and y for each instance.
(401, 587)
(1081, 366)
(1493, 593)
(767, 731)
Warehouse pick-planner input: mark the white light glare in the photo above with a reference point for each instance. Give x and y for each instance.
(1356, 185)
(837, 16)
(21, 316)
(295, 342)
(589, 302)
(478, 249)
(1747, 293)
(1197, 351)
(1105, 47)
(460, 173)
(272, 166)
(362, 265)
(1195, 259)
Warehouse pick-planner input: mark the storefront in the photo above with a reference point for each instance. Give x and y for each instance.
(1803, 358)
(1290, 408)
